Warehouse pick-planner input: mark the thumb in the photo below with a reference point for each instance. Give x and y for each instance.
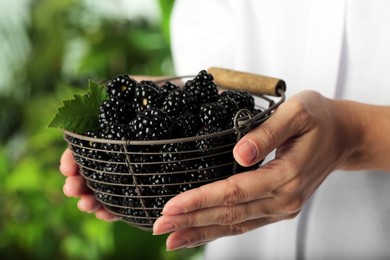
(262, 140)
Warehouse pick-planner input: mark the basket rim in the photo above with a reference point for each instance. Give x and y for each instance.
(244, 121)
(150, 142)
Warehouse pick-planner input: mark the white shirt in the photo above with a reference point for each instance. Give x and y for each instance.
(340, 48)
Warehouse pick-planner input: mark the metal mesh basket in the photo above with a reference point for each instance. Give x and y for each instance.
(134, 179)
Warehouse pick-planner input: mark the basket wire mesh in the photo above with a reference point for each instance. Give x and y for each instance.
(134, 179)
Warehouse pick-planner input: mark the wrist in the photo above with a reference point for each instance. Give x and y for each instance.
(364, 131)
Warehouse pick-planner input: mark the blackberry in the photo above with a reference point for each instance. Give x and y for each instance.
(167, 87)
(115, 132)
(107, 197)
(256, 111)
(97, 178)
(202, 88)
(230, 107)
(207, 168)
(185, 124)
(242, 98)
(145, 159)
(159, 180)
(117, 171)
(130, 198)
(152, 124)
(185, 187)
(158, 203)
(213, 114)
(150, 83)
(211, 145)
(114, 111)
(122, 87)
(177, 101)
(86, 153)
(176, 157)
(147, 96)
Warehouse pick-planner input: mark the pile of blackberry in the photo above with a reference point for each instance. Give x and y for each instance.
(135, 181)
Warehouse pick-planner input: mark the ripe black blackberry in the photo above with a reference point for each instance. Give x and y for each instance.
(114, 111)
(115, 132)
(206, 169)
(202, 88)
(242, 98)
(185, 187)
(178, 101)
(122, 87)
(87, 153)
(158, 203)
(130, 197)
(117, 171)
(94, 176)
(144, 159)
(185, 124)
(213, 114)
(210, 145)
(256, 111)
(176, 157)
(147, 96)
(150, 83)
(107, 197)
(152, 124)
(167, 87)
(231, 108)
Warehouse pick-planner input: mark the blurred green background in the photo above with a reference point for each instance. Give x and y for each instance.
(48, 51)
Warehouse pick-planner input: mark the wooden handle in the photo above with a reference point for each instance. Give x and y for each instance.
(243, 81)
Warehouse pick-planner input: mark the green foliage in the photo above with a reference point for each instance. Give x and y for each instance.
(81, 113)
(68, 44)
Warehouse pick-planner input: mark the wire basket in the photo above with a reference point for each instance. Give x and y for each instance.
(135, 179)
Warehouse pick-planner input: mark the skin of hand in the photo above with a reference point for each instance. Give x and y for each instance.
(313, 136)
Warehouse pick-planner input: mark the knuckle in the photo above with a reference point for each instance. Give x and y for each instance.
(301, 111)
(268, 138)
(202, 234)
(290, 196)
(192, 220)
(237, 229)
(229, 216)
(234, 193)
(290, 187)
(294, 205)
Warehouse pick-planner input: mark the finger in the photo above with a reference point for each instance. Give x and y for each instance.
(236, 189)
(191, 237)
(284, 123)
(103, 214)
(68, 165)
(223, 215)
(88, 203)
(75, 186)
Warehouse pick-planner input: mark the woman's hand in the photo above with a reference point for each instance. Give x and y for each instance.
(313, 136)
(75, 186)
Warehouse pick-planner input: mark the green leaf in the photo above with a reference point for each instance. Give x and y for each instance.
(80, 114)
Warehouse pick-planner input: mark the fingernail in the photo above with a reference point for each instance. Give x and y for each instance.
(163, 229)
(247, 151)
(177, 244)
(173, 211)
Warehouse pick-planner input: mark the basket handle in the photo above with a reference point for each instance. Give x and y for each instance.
(243, 81)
